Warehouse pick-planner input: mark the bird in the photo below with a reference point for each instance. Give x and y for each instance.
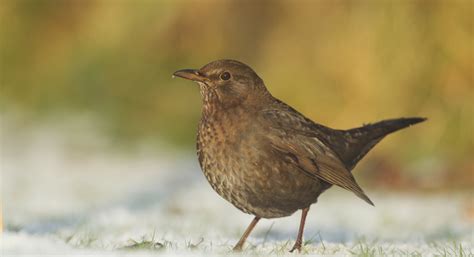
(265, 157)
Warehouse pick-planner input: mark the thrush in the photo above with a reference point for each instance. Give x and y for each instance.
(266, 158)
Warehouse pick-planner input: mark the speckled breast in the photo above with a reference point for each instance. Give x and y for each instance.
(218, 148)
(241, 170)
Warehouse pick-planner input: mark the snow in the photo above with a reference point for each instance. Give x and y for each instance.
(63, 197)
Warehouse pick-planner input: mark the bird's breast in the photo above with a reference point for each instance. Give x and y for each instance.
(236, 160)
(224, 146)
(220, 140)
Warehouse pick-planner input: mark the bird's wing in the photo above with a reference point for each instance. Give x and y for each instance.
(292, 137)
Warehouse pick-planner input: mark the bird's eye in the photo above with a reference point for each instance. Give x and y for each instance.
(225, 76)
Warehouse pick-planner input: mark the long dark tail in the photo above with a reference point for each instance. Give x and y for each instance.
(360, 140)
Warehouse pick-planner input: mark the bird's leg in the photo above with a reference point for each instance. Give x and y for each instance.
(240, 244)
(299, 238)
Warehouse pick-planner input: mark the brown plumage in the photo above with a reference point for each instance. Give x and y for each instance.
(266, 158)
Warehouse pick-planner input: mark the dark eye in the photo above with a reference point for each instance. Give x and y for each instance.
(225, 76)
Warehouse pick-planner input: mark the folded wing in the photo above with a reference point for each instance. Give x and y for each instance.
(294, 138)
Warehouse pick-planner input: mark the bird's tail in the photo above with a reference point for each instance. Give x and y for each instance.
(362, 139)
(385, 127)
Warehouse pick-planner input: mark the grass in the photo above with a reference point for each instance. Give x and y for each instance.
(315, 245)
(452, 249)
(145, 244)
(266, 246)
(368, 249)
(159, 245)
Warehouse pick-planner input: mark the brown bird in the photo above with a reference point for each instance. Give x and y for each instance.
(266, 158)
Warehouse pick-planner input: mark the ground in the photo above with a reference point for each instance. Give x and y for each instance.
(88, 201)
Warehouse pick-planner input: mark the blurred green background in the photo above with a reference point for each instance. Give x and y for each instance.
(342, 63)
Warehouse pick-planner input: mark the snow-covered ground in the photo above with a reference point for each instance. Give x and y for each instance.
(63, 196)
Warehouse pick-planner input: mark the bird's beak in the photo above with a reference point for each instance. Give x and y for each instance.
(190, 74)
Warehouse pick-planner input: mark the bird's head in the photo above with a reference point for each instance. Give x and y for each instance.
(226, 83)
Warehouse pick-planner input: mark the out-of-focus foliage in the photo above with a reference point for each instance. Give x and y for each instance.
(341, 63)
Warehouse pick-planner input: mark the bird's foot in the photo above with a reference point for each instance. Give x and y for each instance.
(296, 246)
(238, 247)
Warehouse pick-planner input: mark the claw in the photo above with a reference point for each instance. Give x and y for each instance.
(297, 247)
(237, 248)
